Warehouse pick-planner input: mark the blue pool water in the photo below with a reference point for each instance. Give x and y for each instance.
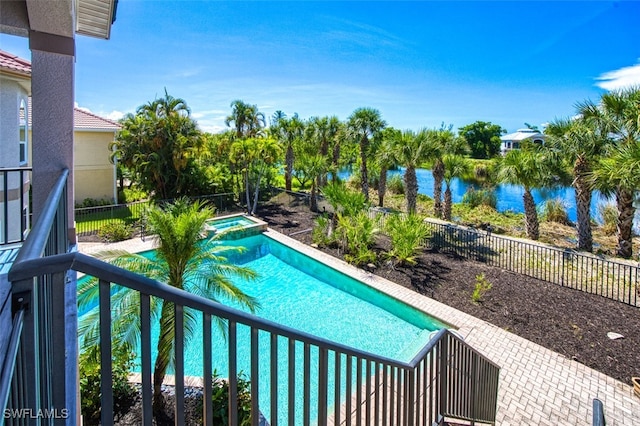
(231, 222)
(299, 292)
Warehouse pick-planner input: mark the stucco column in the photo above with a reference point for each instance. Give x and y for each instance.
(52, 88)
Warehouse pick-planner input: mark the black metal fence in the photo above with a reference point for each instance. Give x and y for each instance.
(614, 279)
(90, 220)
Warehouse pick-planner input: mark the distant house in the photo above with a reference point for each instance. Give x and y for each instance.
(514, 140)
(94, 175)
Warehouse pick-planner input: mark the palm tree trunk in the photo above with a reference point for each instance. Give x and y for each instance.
(288, 169)
(446, 209)
(257, 192)
(438, 177)
(313, 197)
(411, 188)
(335, 161)
(382, 186)
(583, 207)
(626, 211)
(247, 190)
(165, 349)
(363, 168)
(531, 215)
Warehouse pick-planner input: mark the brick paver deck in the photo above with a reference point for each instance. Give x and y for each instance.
(537, 386)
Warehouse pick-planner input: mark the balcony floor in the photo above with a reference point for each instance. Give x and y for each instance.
(7, 256)
(537, 386)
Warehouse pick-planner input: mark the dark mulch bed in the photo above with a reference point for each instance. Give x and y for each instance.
(570, 322)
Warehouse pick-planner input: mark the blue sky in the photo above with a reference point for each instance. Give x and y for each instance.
(420, 63)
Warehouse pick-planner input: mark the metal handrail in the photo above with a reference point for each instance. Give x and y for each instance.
(35, 246)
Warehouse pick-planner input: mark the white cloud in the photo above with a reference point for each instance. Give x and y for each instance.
(622, 78)
(114, 115)
(75, 104)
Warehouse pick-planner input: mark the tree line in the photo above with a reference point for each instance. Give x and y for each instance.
(162, 150)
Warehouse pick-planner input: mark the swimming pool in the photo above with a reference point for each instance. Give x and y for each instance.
(300, 292)
(240, 225)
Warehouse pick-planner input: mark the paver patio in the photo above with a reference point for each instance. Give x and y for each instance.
(537, 386)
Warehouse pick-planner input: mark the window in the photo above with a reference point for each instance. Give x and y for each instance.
(23, 133)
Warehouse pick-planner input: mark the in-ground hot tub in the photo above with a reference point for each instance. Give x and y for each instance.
(236, 226)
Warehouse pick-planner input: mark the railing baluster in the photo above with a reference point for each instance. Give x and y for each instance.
(337, 400)
(179, 363)
(349, 390)
(207, 379)
(322, 386)
(291, 359)
(254, 380)
(367, 396)
(274, 379)
(145, 357)
(306, 403)
(233, 374)
(106, 378)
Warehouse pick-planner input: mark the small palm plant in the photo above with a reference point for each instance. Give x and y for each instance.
(408, 235)
(183, 260)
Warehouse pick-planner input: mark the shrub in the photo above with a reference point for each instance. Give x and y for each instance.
(129, 195)
(356, 236)
(115, 231)
(124, 393)
(395, 184)
(220, 397)
(555, 210)
(408, 235)
(608, 215)
(320, 234)
(92, 202)
(480, 197)
(481, 287)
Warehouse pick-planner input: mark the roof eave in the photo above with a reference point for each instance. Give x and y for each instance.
(95, 17)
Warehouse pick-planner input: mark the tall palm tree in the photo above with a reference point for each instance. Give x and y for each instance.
(288, 131)
(247, 120)
(385, 157)
(530, 169)
(454, 166)
(183, 261)
(443, 141)
(314, 166)
(581, 145)
(322, 132)
(362, 125)
(411, 149)
(618, 115)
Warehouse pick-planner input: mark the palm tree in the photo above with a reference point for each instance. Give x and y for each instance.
(288, 131)
(530, 169)
(411, 149)
(454, 166)
(314, 166)
(618, 115)
(322, 132)
(183, 261)
(246, 119)
(254, 156)
(580, 144)
(619, 173)
(362, 125)
(443, 141)
(385, 157)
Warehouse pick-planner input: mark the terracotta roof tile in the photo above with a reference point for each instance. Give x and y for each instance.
(13, 63)
(88, 120)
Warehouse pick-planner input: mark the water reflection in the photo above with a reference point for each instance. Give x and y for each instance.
(509, 196)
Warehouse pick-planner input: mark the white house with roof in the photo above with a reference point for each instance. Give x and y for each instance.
(514, 140)
(94, 174)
